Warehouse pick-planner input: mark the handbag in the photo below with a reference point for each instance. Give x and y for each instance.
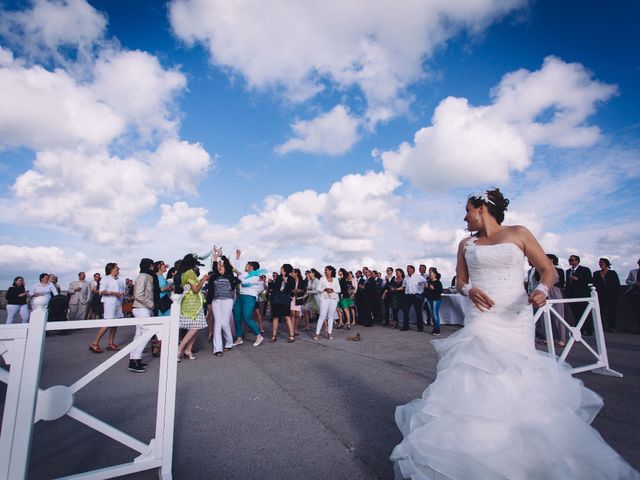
(127, 307)
(164, 303)
(281, 298)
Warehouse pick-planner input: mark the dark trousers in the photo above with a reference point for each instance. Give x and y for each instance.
(414, 301)
(427, 308)
(578, 309)
(386, 305)
(609, 311)
(364, 312)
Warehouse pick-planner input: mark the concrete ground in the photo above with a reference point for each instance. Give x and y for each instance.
(311, 410)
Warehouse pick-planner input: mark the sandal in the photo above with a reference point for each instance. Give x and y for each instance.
(95, 348)
(315, 337)
(113, 347)
(330, 337)
(348, 327)
(189, 355)
(291, 339)
(273, 339)
(218, 354)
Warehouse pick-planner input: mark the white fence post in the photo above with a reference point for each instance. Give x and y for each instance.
(601, 365)
(22, 347)
(28, 367)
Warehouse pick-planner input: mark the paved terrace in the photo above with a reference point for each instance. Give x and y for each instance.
(307, 410)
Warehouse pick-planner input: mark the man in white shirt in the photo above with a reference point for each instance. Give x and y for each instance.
(422, 269)
(413, 297)
(79, 296)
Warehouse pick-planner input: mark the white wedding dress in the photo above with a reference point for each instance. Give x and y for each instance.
(499, 409)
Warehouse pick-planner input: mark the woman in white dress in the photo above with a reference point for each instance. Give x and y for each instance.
(499, 409)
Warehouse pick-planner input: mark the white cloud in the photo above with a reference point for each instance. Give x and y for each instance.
(103, 195)
(103, 125)
(302, 47)
(282, 220)
(43, 109)
(138, 88)
(468, 145)
(565, 92)
(332, 133)
(49, 26)
(362, 206)
(39, 259)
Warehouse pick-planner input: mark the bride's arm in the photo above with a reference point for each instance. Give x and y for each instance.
(539, 260)
(480, 299)
(462, 274)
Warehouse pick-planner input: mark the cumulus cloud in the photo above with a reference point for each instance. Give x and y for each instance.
(39, 259)
(362, 206)
(48, 27)
(103, 194)
(331, 133)
(467, 145)
(104, 127)
(136, 86)
(353, 218)
(49, 109)
(303, 47)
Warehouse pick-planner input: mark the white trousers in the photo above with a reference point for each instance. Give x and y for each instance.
(327, 312)
(13, 310)
(221, 310)
(136, 353)
(77, 311)
(112, 310)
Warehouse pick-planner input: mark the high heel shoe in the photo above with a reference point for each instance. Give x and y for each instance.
(273, 339)
(190, 355)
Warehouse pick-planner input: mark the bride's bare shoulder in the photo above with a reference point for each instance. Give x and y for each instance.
(519, 231)
(464, 242)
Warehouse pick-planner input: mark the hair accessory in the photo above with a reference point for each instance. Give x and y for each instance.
(484, 196)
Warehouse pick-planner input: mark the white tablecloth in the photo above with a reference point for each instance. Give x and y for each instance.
(451, 309)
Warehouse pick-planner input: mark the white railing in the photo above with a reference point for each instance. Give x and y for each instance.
(21, 346)
(601, 363)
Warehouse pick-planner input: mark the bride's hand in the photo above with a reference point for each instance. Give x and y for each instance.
(537, 299)
(480, 299)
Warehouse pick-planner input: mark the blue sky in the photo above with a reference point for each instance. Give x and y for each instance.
(331, 133)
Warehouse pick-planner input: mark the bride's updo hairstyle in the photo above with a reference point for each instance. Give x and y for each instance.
(494, 201)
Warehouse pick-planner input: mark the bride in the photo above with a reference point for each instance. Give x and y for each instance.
(499, 409)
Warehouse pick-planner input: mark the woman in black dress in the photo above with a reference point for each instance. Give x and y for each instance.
(607, 285)
(395, 289)
(283, 287)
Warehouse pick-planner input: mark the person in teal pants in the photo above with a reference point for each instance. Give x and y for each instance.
(250, 288)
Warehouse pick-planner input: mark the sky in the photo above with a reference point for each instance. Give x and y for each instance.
(313, 133)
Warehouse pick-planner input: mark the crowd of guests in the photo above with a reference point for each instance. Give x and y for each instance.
(575, 282)
(232, 298)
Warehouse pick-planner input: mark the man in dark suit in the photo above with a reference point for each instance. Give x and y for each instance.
(577, 286)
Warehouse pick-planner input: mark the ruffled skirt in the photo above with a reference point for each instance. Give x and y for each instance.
(499, 409)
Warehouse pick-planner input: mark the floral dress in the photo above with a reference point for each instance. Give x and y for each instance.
(192, 314)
